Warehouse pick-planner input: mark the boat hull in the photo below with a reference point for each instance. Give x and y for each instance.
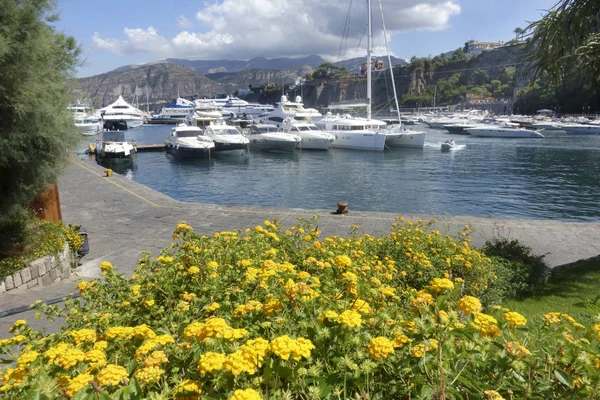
(314, 144)
(165, 121)
(359, 141)
(457, 129)
(507, 133)
(221, 147)
(273, 145)
(406, 139)
(582, 130)
(188, 152)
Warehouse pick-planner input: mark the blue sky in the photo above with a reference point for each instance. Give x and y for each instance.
(242, 29)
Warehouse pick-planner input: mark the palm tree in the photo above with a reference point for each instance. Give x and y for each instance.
(518, 32)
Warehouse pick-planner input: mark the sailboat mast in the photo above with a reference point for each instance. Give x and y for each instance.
(369, 50)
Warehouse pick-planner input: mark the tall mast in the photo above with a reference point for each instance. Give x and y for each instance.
(369, 50)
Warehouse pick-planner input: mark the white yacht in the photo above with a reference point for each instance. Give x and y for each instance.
(289, 111)
(112, 144)
(120, 115)
(503, 132)
(354, 133)
(401, 137)
(88, 125)
(189, 141)
(226, 138)
(233, 105)
(459, 129)
(205, 112)
(580, 129)
(173, 113)
(268, 137)
(312, 137)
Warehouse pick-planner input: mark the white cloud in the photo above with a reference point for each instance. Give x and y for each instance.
(243, 29)
(183, 21)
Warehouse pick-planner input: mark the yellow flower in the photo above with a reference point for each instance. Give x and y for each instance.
(149, 374)
(96, 358)
(105, 267)
(211, 361)
(284, 347)
(135, 289)
(245, 394)
(350, 318)
(400, 340)
(515, 319)
(422, 300)
(212, 307)
(272, 306)
(469, 305)
(84, 286)
(182, 306)
(112, 375)
(418, 351)
(193, 270)
(83, 336)
(486, 324)
(79, 382)
(343, 261)
(361, 306)
(27, 358)
(188, 387)
(493, 395)
(380, 347)
(156, 358)
(18, 323)
(515, 349)
(149, 303)
(441, 284)
(212, 265)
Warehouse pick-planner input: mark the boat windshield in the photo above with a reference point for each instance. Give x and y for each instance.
(226, 131)
(188, 134)
(257, 130)
(113, 136)
(303, 128)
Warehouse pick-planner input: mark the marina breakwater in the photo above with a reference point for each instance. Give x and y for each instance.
(124, 218)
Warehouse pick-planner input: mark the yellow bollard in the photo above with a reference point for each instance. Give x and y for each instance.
(108, 172)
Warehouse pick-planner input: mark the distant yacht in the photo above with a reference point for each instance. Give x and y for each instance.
(173, 113)
(579, 129)
(205, 112)
(289, 110)
(189, 142)
(120, 115)
(87, 123)
(236, 106)
(503, 132)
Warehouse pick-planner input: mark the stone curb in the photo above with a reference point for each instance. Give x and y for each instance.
(41, 272)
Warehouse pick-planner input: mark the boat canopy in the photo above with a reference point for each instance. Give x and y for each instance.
(113, 136)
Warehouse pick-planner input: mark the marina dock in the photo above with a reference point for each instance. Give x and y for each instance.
(124, 218)
(145, 148)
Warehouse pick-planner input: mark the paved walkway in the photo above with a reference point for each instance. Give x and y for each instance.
(123, 218)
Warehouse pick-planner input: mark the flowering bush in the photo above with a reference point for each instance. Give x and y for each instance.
(284, 314)
(44, 239)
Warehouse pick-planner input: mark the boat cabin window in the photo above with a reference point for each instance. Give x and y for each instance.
(276, 119)
(227, 131)
(257, 130)
(120, 107)
(303, 128)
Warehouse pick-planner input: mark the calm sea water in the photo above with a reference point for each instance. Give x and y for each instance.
(557, 177)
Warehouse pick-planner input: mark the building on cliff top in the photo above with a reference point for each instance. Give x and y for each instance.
(474, 48)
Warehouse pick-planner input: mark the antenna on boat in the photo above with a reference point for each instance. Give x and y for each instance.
(370, 38)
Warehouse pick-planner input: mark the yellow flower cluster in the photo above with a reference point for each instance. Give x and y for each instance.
(515, 319)
(78, 383)
(469, 305)
(284, 347)
(381, 347)
(188, 387)
(105, 267)
(212, 328)
(147, 375)
(112, 375)
(441, 285)
(418, 350)
(211, 361)
(486, 325)
(213, 307)
(515, 349)
(84, 336)
(422, 300)
(350, 318)
(493, 395)
(245, 394)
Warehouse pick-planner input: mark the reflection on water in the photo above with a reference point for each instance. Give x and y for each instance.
(124, 166)
(552, 178)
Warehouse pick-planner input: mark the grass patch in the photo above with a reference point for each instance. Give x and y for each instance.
(565, 288)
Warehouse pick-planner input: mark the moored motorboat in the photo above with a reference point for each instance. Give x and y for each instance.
(581, 129)
(189, 142)
(88, 125)
(503, 132)
(354, 133)
(173, 113)
(227, 139)
(312, 137)
(112, 144)
(459, 129)
(269, 138)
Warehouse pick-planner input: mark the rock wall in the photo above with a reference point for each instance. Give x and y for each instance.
(40, 272)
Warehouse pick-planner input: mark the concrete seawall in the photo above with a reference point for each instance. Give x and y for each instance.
(123, 218)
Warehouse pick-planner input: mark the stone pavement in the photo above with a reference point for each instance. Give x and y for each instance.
(123, 218)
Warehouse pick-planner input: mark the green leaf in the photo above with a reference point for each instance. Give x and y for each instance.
(563, 377)
(34, 393)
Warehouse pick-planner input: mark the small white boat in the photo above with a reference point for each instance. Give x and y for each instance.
(227, 139)
(269, 138)
(580, 129)
(189, 142)
(452, 146)
(502, 132)
(112, 144)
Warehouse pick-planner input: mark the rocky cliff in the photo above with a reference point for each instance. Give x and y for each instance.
(157, 82)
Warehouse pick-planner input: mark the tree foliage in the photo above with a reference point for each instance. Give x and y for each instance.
(567, 40)
(36, 129)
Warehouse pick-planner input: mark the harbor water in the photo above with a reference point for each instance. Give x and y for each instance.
(557, 177)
